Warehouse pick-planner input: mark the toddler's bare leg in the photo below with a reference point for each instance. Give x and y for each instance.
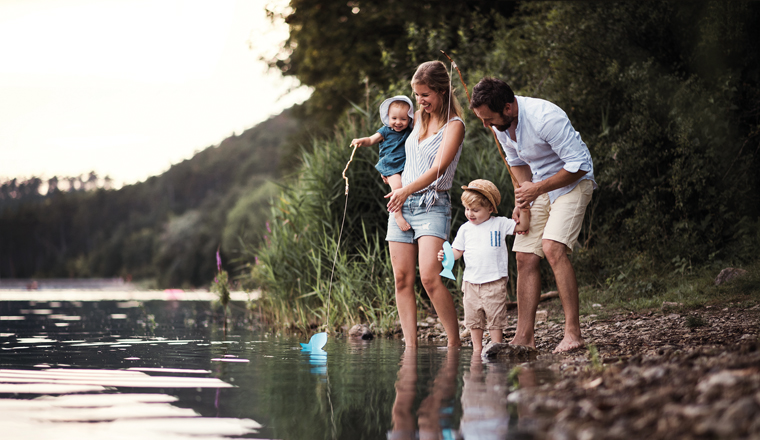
(497, 335)
(395, 182)
(477, 339)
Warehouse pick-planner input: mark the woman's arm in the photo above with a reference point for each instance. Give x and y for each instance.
(453, 135)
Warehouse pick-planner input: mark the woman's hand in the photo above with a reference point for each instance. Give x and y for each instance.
(440, 255)
(397, 197)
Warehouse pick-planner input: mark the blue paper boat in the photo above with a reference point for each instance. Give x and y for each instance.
(448, 261)
(315, 343)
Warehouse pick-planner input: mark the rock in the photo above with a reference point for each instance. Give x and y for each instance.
(542, 316)
(728, 274)
(496, 350)
(723, 379)
(464, 333)
(666, 304)
(738, 416)
(361, 331)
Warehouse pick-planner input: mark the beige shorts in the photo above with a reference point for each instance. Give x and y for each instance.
(485, 305)
(560, 221)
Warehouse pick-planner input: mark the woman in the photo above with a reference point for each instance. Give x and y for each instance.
(432, 154)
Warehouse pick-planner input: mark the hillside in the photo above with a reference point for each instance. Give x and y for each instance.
(163, 231)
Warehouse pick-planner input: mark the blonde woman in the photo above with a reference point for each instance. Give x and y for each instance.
(432, 154)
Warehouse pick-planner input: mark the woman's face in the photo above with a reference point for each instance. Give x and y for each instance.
(428, 100)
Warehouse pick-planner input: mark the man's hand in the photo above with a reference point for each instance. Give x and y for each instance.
(526, 194)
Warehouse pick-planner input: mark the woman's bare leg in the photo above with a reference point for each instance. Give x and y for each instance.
(430, 269)
(404, 262)
(395, 182)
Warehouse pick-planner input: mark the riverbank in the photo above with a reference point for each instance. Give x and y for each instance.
(675, 371)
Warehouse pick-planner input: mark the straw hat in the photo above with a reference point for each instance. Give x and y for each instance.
(385, 106)
(488, 189)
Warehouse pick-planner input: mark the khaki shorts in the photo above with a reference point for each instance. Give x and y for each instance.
(485, 305)
(560, 221)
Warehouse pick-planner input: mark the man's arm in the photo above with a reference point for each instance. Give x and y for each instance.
(529, 191)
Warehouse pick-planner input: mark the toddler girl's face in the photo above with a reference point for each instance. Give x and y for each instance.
(398, 117)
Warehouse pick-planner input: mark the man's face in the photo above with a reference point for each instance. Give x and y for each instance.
(490, 118)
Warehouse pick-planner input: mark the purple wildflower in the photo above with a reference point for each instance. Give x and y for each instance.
(218, 261)
(268, 228)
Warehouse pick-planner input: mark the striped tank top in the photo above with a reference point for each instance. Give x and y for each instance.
(420, 157)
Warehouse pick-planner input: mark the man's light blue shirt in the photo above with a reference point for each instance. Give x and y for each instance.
(547, 142)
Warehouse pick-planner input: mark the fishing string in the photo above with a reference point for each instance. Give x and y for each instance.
(340, 234)
(445, 131)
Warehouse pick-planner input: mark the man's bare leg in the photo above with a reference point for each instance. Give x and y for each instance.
(528, 293)
(567, 285)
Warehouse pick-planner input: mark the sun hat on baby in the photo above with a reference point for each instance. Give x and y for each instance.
(385, 106)
(488, 189)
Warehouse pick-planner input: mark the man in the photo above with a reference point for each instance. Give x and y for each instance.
(556, 176)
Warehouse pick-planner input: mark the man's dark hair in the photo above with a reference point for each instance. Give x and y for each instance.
(492, 92)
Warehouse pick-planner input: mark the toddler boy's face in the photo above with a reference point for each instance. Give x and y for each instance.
(398, 117)
(477, 214)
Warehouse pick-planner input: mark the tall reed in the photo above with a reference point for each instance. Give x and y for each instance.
(303, 241)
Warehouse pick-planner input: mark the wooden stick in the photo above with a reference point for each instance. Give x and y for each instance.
(544, 297)
(498, 144)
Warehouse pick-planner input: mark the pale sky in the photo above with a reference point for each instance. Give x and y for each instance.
(126, 88)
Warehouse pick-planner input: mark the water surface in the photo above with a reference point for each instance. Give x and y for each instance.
(165, 369)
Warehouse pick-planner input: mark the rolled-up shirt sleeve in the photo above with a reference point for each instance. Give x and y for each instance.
(566, 142)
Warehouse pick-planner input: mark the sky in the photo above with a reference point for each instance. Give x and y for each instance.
(126, 88)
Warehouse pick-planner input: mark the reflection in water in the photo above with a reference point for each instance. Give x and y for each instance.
(318, 361)
(168, 371)
(484, 401)
(435, 414)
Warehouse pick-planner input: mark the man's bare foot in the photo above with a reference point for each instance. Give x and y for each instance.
(401, 221)
(568, 344)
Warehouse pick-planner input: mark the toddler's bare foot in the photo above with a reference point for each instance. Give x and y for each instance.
(401, 221)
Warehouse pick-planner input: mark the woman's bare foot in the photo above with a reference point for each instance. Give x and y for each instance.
(401, 221)
(569, 343)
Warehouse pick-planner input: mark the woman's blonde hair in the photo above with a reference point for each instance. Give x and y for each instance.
(433, 74)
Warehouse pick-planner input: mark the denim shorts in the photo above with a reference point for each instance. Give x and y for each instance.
(437, 222)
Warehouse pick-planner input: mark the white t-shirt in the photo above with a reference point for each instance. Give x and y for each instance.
(484, 249)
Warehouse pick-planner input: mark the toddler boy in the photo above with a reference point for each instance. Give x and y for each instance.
(482, 242)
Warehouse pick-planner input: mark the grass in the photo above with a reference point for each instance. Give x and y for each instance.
(675, 292)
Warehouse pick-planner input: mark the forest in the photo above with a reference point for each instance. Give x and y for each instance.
(665, 94)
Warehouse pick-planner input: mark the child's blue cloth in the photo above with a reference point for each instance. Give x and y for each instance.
(392, 153)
